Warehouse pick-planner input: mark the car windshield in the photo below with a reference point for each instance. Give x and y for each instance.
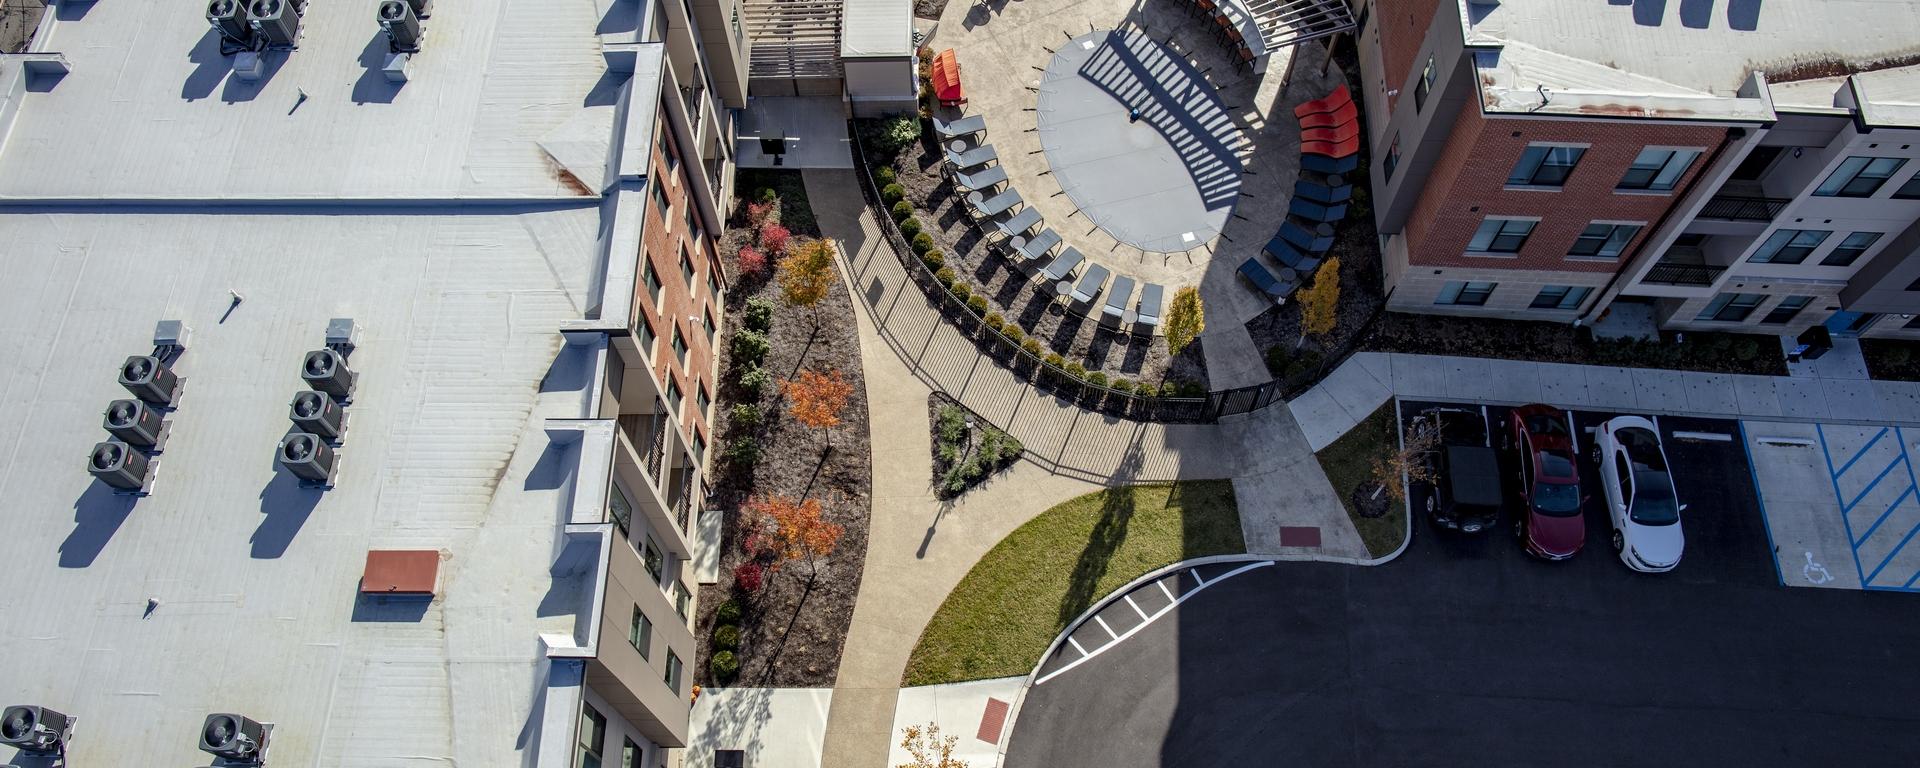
(1653, 502)
(1557, 499)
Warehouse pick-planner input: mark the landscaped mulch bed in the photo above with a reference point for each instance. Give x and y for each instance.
(1563, 343)
(965, 456)
(1276, 332)
(1348, 462)
(791, 635)
(1892, 359)
(1022, 301)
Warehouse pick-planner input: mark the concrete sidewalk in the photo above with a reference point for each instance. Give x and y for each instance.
(773, 726)
(976, 713)
(1367, 379)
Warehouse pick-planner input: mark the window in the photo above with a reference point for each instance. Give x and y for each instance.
(647, 338)
(673, 671)
(1393, 158)
(679, 345)
(713, 284)
(674, 396)
(682, 599)
(1424, 87)
(1912, 323)
(593, 733)
(712, 328)
(1850, 249)
(1545, 165)
(1603, 240)
(730, 758)
(700, 397)
(1658, 170)
(641, 633)
(1909, 190)
(650, 556)
(660, 198)
(1786, 309)
(1561, 297)
(693, 224)
(699, 447)
(668, 150)
(619, 507)
(630, 754)
(686, 268)
(1859, 177)
(1789, 246)
(1731, 307)
(653, 283)
(1465, 294)
(1501, 235)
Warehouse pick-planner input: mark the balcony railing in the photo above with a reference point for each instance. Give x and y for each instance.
(1743, 208)
(1670, 273)
(648, 433)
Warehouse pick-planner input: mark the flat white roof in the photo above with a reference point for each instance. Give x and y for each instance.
(876, 28)
(1677, 59)
(255, 577)
(151, 108)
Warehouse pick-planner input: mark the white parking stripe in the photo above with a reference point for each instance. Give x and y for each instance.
(1136, 606)
(1196, 577)
(1164, 590)
(1103, 625)
(1142, 625)
(1077, 646)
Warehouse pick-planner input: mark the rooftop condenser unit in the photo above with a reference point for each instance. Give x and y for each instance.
(308, 458)
(276, 21)
(36, 730)
(149, 379)
(402, 25)
(119, 465)
(233, 737)
(229, 18)
(326, 371)
(134, 423)
(316, 413)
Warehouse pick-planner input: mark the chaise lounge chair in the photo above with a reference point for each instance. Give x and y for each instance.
(1329, 165)
(981, 180)
(1064, 265)
(1115, 309)
(965, 126)
(1321, 193)
(1312, 211)
(1149, 311)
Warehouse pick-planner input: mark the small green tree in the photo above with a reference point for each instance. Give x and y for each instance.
(1186, 318)
(1320, 302)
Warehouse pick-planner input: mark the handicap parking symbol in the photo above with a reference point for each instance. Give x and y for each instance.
(1815, 573)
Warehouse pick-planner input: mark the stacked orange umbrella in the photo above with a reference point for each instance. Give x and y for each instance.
(946, 80)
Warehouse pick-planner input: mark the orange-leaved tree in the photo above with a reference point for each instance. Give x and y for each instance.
(799, 531)
(816, 399)
(806, 273)
(927, 748)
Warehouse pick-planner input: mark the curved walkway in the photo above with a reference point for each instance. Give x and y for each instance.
(919, 548)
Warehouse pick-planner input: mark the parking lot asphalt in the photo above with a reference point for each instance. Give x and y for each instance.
(1465, 651)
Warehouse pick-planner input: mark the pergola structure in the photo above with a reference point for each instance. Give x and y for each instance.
(793, 39)
(1290, 22)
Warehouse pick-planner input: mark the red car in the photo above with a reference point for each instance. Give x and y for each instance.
(1551, 526)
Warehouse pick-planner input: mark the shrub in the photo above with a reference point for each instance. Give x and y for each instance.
(1097, 378)
(993, 319)
(910, 229)
(753, 380)
(726, 638)
(1745, 350)
(1122, 385)
(945, 276)
(922, 243)
(766, 195)
(933, 259)
(1303, 365)
(762, 214)
(746, 416)
(977, 303)
(1276, 360)
(774, 238)
(728, 612)
(1053, 359)
(893, 193)
(885, 175)
(752, 261)
(749, 576)
(1896, 357)
(1014, 334)
(1075, 369)
(960, 290)
(896, 134)
(724, 666)
(759, 314)
(902, 210)
(742, 452)
(749, 346)
(1031, 346)
(1185, 388)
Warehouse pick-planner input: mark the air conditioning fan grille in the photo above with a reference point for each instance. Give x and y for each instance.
(299, 449)
(138, 369)
(18, 724)
(308, 405)
(106, 456)
(123, 413)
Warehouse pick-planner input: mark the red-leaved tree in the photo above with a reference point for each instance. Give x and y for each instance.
(774, 237)
(753, 263)
(748, 577)
(799, 531)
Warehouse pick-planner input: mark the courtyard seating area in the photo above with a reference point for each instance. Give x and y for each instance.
(1329, 148)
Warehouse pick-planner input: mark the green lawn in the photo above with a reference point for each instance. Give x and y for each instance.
(1001, 617)
(1348, 462)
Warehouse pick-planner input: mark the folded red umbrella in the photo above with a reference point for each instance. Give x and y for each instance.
(946, 80)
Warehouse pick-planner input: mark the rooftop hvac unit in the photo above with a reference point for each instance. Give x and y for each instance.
(233, 737)
(119, 465)
(133, 423)
(326, 371)
(276, 21)
(402, 25)
(316, 413)
(149, 379)
(35, 729)
(229, 18)
(308, 458)
(420, 7)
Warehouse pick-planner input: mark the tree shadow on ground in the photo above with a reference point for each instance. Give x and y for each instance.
(1116, 512)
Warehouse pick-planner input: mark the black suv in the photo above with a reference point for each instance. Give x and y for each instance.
(1466, 493)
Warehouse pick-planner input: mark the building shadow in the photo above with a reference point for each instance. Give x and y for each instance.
(606, 91)
(551, 471)
(73, 11)
(1138, 71)
(210, 66)
(401, 609)
(1649, 13)
(373, 87)
(567, 586)
(1743, 15)
(239, 90)
(1696, 14)
(287, 507)
(97, 515)
(571, 371)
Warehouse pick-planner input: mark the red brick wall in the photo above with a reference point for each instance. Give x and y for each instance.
(661, 242)
(1473, 173)
(1403, 30)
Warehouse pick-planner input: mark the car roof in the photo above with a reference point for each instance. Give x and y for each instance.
(1473, 472)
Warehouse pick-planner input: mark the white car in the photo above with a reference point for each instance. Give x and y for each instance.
(1641, 503)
